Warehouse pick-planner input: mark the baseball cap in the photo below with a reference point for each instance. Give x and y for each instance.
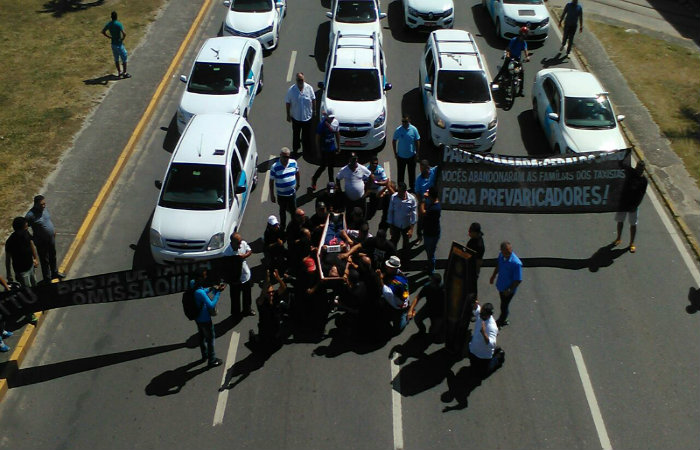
(272, 220)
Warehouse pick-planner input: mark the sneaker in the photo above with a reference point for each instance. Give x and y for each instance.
(216, 363)
(4, 348)
(33, 319)
(6, 334)
(250, 312)
(126, 75)
(59, 275)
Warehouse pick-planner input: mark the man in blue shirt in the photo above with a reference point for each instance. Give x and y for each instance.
(44, 234)
(515, 50)
(509, 270)
(572, 13)
(406, 144)
(117, 36)
(328, 143)
(206, 299)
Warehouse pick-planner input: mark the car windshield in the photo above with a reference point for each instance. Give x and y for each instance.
(361, 11)
(194, 187)
(214, 78)
(462, 86)
(251, 6)
(523, 2)
(354, 85)
(588, 112)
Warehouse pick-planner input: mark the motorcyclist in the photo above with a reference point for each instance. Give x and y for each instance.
(515, 50)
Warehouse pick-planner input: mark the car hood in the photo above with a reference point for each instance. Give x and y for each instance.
(249, 22)
(205, 103)
(526, 13)
(467, 113)
(187, 224)
(355, 111)
(583, 141)
(430, 5)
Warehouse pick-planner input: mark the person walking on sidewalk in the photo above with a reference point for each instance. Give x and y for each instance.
(44, 234)
(21, 256)
(632, 196)
(284, 179)
(406, 144)
(328, 143)
(573, 12)
(300, 102)
(206, 299)
(117, 36)
(509, 270)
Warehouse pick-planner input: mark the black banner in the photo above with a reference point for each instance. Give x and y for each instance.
(456, 291)
(582, 183)
(105, 288)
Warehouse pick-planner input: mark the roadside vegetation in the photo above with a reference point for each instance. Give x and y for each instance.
(55, 70)
(664, 76)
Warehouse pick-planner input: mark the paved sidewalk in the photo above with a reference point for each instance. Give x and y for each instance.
(667, 169)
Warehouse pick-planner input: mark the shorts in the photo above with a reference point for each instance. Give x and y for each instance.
(118, 51)
(631, 217)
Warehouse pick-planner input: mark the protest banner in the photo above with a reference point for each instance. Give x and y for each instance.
(456, 293)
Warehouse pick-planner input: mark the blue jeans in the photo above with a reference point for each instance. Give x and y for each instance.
(118, 51)
(206, 340)
(399, 319)
(430, 244)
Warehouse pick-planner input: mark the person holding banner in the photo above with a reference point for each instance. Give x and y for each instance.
(430, 211)
(509, 270)
(484, 356)
(632, 196)
(476, 247)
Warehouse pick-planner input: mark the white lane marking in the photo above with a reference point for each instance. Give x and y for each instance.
(266, 186)
(396, 404)
(590, 396)
(387, 170)
(223, 394)
(292, 60)
(675, 236)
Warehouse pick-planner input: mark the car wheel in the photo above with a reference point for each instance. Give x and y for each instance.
(262, 80)
(498, 28)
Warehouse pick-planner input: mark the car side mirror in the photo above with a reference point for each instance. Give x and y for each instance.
(620, 117)
(382, 16)
(494, 87)
(388, 86)
(428, 87)
(249, 82)
(329, 14)
(553, 116)
(159, 184)
(321, 85)
(183, 78)
(227, 3)
(240, 189)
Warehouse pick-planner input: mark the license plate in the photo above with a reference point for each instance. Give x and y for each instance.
(466, 145)
(430, 24)
(353, 143)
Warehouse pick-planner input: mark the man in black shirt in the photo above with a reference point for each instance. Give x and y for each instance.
(434, 294)
(379, 249)
(21, 256)
(632, 195)
(476, 247)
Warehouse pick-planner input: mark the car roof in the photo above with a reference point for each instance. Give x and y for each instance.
(207, 138)
(355, 50)
(575, 83)
(226, 49)
(456, 50)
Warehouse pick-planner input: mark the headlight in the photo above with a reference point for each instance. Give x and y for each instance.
(510, 21)
(412, 11)
(493, 124)
(155, 239)
(216, 241)
(438, 121)
(379, 121)
(448, 12)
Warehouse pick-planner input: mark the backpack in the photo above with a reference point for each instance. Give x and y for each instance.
(189, 305)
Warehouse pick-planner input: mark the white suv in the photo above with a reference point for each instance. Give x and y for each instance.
(456, 92)
(428, 14)
(225, 77)
(355, 88)
(206, 189)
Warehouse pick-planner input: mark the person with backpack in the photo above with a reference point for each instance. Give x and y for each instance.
(205, 298)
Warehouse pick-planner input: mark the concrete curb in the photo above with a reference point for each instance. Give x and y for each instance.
(690, 238)
(29, 333)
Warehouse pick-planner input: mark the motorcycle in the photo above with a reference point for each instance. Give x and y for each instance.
(511, 81)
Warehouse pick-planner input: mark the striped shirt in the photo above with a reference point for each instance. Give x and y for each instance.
(285, 177)
(379, 175)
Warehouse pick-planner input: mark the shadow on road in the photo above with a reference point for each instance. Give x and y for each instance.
(172, 135)
(532, 136)
(321, 46)
(486, 28)
(694, 299)
(425, 372)
(172, 381)
(603, 257)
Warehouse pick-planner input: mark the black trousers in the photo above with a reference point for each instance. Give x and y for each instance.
(569, 32)
(236, 290)
(301, 135)
(410, 164)
(327, 161)
(505, 304)
(287, 204)
(46, 250)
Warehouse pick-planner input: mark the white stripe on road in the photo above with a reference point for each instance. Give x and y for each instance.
(292, 60)
(590, 396)
(223, 394)
(396, 404)
(266, 186)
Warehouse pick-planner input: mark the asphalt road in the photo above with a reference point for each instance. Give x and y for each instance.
(124, 375)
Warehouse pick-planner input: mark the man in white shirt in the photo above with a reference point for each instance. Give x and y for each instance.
(240, 276)
(483, 354)
(300, 102)
(356, 176)
(402, 216)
